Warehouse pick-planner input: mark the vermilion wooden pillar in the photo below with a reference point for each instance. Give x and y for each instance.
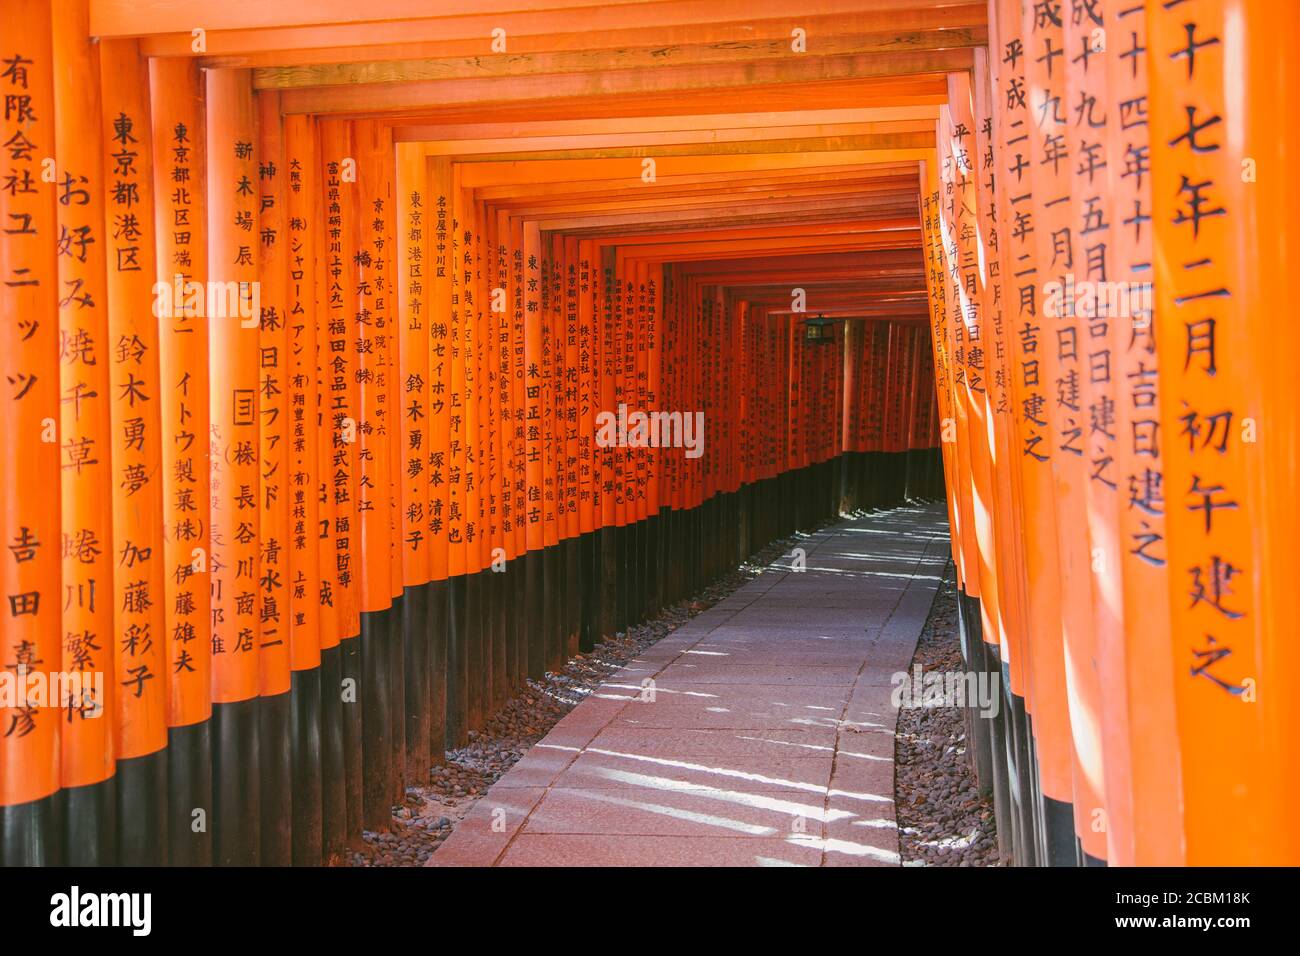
(87, 749)
(393, 436)
(232, 202)
(527, 269)
(496, 554)
(276, 707)
(337, 694)
(180, 216)
(368, 332)
(1063, 364)
(510, 279)
(1032, 389)
(588, 398)
(1085, 85)
(568, 393)
(136, 450)
(937, 293)
(967, 266)
(996, 198)
(456, 440)
(1144, 564)
(340, 411)
(314, 700)
(477, 417)
(441, 350)
(30, 521)
(1217, 71)
(961, 295)
(415, 212)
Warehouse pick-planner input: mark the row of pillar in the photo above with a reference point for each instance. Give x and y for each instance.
(1120, 426)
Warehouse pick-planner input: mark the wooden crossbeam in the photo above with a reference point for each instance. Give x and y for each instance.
(379, 98)
(638, 57)
(663, 23)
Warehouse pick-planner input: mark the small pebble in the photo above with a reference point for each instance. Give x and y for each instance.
(942, 820)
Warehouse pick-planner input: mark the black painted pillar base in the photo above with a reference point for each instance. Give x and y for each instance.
(506, 662)
(417, 677)
(607, 577)
(397, 696)
(588, 604)
(31, 834)
(573, 584)
(487, 644)
(439, 675)
(274, 729)
(1058, 821)
(475, 660)
(1034, 799)
(376, 722)
(534, 613)
(861, 473)
(305, 711)
(972, 650)
(457, 665)
(142, 823)
(1003, 812)
(350, 710)
(641, 583)
(682, 561)
(653, 566)
(189, 788)
(1023, 780)
(519, 623)
(236, 786)
(89, 815)
(333, 762)
(552, 600)
(623, 558)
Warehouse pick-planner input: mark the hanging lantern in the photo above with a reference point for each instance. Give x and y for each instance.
(819, 329)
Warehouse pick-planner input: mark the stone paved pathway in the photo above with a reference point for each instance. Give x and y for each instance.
(761, 733)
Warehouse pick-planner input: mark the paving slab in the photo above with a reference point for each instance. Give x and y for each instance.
(600, 769)
(765, 673)
(761, 748)
(761, 733)
(657, 811)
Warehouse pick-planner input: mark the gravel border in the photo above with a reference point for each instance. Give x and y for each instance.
(942, 819)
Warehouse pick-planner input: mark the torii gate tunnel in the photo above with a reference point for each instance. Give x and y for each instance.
(363, 361)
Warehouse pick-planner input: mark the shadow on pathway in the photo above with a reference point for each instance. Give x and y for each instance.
(761, 733)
